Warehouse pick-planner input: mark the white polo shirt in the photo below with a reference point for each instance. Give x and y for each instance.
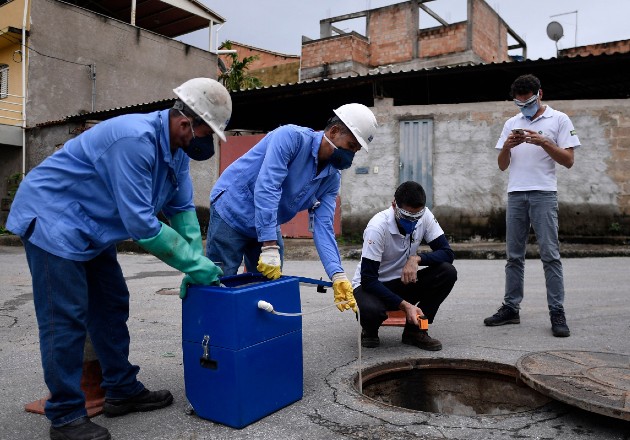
(383, 242)
(531, 168)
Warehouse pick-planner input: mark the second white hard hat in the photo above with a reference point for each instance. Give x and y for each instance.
(360, 120)
(209, 100)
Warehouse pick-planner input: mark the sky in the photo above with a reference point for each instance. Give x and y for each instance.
(278, 25)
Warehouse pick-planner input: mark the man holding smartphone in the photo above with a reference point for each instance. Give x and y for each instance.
(531, 144)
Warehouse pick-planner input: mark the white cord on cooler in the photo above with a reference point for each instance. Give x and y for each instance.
(264, 305)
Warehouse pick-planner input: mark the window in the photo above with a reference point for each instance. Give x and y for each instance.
(4, 81)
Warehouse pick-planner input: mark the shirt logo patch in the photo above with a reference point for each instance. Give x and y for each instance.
(573, 132)
(370, 241)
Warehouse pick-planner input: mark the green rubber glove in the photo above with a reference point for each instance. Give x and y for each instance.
(187, 225)
(175, 251)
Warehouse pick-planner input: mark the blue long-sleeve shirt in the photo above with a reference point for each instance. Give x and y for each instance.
(274, 181)
(104, 186)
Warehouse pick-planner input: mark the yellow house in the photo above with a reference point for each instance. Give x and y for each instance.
(13, 66)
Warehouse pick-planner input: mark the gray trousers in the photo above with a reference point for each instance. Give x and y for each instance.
(540, 210)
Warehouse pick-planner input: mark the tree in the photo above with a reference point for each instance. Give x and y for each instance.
(235, 76)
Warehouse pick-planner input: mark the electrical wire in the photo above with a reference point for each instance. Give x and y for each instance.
(43, 54)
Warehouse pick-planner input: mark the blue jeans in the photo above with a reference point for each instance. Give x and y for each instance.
(540, 210)
(73, 298)
(229, 247)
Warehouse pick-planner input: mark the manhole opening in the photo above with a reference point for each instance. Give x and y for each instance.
(457, 387)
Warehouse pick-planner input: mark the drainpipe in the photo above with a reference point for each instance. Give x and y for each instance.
(93, 77)
(25, 59)
(133, 12)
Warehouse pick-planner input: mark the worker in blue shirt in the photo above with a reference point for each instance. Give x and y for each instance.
(392, 275)
(104, 186)
(292, 169)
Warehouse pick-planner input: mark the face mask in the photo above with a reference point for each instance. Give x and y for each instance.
(529, 107)
(408, 220)
(341, 158)
(407, 225)
(530, 111)
(199, 148)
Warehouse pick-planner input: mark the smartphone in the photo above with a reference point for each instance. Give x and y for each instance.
(518, 131)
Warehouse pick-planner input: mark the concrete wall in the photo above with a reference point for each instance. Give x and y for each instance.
(132, 65)
(470, 191)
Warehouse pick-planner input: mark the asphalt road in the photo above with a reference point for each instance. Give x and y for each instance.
(597, 305)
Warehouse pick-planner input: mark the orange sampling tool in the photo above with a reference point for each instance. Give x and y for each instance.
(423, 322)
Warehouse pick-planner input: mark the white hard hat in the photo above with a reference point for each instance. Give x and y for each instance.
(209, 100)
(360, 120)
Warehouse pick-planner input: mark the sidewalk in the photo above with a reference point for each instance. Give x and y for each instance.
(304, 248)
(597, 308)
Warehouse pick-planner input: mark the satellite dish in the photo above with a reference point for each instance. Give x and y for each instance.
(555, 31)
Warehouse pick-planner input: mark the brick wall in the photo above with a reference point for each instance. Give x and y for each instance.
(489, 34)
(335, 49)
(392, 31)
(443, 40)
(265, 58)
(270, 67)
(622, 46)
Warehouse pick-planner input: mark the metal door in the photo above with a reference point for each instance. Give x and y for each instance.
(416, 154)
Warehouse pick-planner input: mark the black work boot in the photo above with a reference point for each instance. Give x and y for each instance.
(505, 315)
(145, 401)
(559, 326)
(80, 429)
(370, 339)
(412, 335)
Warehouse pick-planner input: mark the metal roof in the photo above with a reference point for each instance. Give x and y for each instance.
(170, 18)
(310, 103)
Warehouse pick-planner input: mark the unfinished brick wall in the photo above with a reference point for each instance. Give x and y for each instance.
(392, 31)
(622, 46)
(619, 162)
(266, 58)
(443, 40)
(489, 34)
(335, 49)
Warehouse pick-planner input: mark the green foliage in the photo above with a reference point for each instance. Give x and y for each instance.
(615, 228)
(236, 76)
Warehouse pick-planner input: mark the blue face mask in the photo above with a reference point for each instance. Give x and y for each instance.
(407, 225)
(200, 148)
(530, 107)
(530, 110)
(341, 158)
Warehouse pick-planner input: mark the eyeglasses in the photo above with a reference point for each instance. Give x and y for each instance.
(411, 216)
(530, 101)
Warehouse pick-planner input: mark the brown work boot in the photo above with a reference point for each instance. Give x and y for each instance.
(412, 335)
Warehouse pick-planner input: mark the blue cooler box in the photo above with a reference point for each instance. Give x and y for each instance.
(242, 363)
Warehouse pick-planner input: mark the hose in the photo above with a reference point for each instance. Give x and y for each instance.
(264, 305)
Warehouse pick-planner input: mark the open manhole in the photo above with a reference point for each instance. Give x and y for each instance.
(451, 386)
(596, 382)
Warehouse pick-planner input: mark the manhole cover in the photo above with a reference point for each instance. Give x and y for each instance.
(597, 382)
(456, 387)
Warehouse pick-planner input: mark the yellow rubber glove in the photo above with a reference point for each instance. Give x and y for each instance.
(269, 262)
(343, 292)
